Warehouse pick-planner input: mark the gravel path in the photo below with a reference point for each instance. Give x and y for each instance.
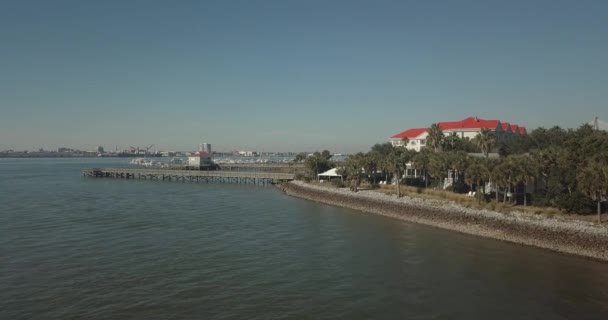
(564, 235)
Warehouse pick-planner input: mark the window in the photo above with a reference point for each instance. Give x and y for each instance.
(413, 142)
(422, 141)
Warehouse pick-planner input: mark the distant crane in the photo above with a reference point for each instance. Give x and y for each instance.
(148, 148)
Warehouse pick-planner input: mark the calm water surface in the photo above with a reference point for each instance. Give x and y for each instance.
(76, 248)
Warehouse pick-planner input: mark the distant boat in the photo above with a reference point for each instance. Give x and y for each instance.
(137, 161)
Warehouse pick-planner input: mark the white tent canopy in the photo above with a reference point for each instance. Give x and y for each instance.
(330, 173)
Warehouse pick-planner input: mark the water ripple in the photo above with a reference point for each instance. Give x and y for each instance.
(73, 248)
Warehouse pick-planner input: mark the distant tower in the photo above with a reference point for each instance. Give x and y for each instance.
(206, 147)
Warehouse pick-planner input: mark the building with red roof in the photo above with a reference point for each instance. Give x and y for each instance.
(415, 138)
(467, 128)
(200, 160)
(470, 127)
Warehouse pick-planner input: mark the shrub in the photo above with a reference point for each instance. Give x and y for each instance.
(298, 176)
(575, 202)
(414, 182)
(491, 206)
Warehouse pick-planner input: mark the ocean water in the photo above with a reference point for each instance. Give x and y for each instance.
(86, 248)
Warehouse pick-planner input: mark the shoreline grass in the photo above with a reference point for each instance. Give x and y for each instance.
(469, 202)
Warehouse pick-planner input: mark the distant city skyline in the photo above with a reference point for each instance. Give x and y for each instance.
(291, 75)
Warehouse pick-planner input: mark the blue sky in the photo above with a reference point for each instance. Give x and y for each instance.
(291, 75)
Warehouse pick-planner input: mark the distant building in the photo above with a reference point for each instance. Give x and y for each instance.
(201, 160)
(416, 139)
(248, 153)
(205, 147)
(467, 128)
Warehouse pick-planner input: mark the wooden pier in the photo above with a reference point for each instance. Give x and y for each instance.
(190, 175)
(270, 167)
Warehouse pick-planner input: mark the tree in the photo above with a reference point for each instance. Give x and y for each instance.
(435, 136)
(451, 142)
(395, 165)
(487, 166)
(458, 163)
(380, 153)
(300, 157)
(524, 172)
(485, 140)
(505, 173)
(501, 177)
(594, 183)
(352, 170)
(438, 167)
(316, 164)
(382, 149)
(421, 161)
(474, 176)
(326, 154)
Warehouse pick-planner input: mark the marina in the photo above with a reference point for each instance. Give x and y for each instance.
(199, 176)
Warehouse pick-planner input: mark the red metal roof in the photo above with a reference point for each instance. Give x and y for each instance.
(515, 128)
(448, 125)
(470, 123)
(505, 126)
(410, 133)
(522, 130)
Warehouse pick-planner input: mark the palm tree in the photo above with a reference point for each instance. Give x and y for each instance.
(451, 141)
(500, 173)
(421, 160)
(369, 162)
(545, 161)
(435, 136)
(394, 165)
(485, 140)
(505, 173)
(475, 177)
(438, 167)
(593, 181)
(458, 163)
(352, 168)
(524, 173)
(487, 167)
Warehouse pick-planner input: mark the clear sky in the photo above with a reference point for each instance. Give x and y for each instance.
(291, 75)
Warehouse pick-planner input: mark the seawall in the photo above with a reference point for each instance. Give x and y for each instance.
(563, 235)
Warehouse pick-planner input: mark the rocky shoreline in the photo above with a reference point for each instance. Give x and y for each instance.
(567, 236)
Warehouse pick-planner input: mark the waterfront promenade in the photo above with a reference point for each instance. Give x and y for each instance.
(201, 176)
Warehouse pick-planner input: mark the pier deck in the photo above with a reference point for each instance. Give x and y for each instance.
(271, 167)
(190, 175)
